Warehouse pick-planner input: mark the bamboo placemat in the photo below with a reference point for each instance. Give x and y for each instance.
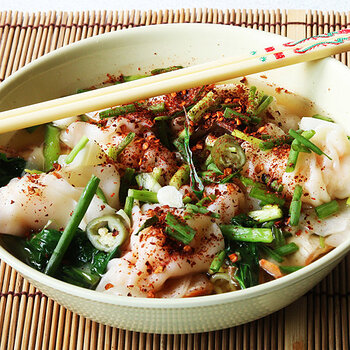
(29, 320)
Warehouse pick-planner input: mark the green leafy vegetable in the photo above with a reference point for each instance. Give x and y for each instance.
(10, 168)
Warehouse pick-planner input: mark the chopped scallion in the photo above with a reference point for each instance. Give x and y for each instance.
(117, 111)
(247, 234)
(241, 135)
(217, 262)
(165, 70)
(143, 195)
(289, 269)
(294, 154)
(264, 104)
(295, 206)
(72, 226)
(52, 147)
(181, 177)
(267, 213)
(322, 117)
(101, 195)
(198, 110)
(265, 196)
(114, 152)
(76, 149)
(129, 203)
(303, 140)
(179, 230)
(287, 249)
(327, 209)
(149, 222)
(271, 253)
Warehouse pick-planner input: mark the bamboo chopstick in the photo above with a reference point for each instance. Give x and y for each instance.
(257, 61)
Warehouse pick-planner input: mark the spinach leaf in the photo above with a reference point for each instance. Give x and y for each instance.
(10, 168)
(244, 220)
(82, 265)
(40, 246)
(248, 265)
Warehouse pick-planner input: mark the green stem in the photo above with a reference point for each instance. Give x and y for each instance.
(73, 224)
(117, 111)
(181, 177)
(327, 209)
(197, 111)
(287, 249)
(247, 234)
(52, 147)
(143, 195)
(77, 148)
(178, 230)
(129, 203)
(114, 152)
(217, 262)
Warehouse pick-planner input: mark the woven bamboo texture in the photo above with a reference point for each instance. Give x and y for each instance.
(30, 320)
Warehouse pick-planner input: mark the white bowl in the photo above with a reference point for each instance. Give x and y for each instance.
(82, 64)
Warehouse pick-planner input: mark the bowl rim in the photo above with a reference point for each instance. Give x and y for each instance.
(159, 303)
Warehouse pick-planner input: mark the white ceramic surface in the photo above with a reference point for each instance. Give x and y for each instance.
(82, 64)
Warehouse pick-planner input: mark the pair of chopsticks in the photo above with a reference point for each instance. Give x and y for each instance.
(270, 57)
